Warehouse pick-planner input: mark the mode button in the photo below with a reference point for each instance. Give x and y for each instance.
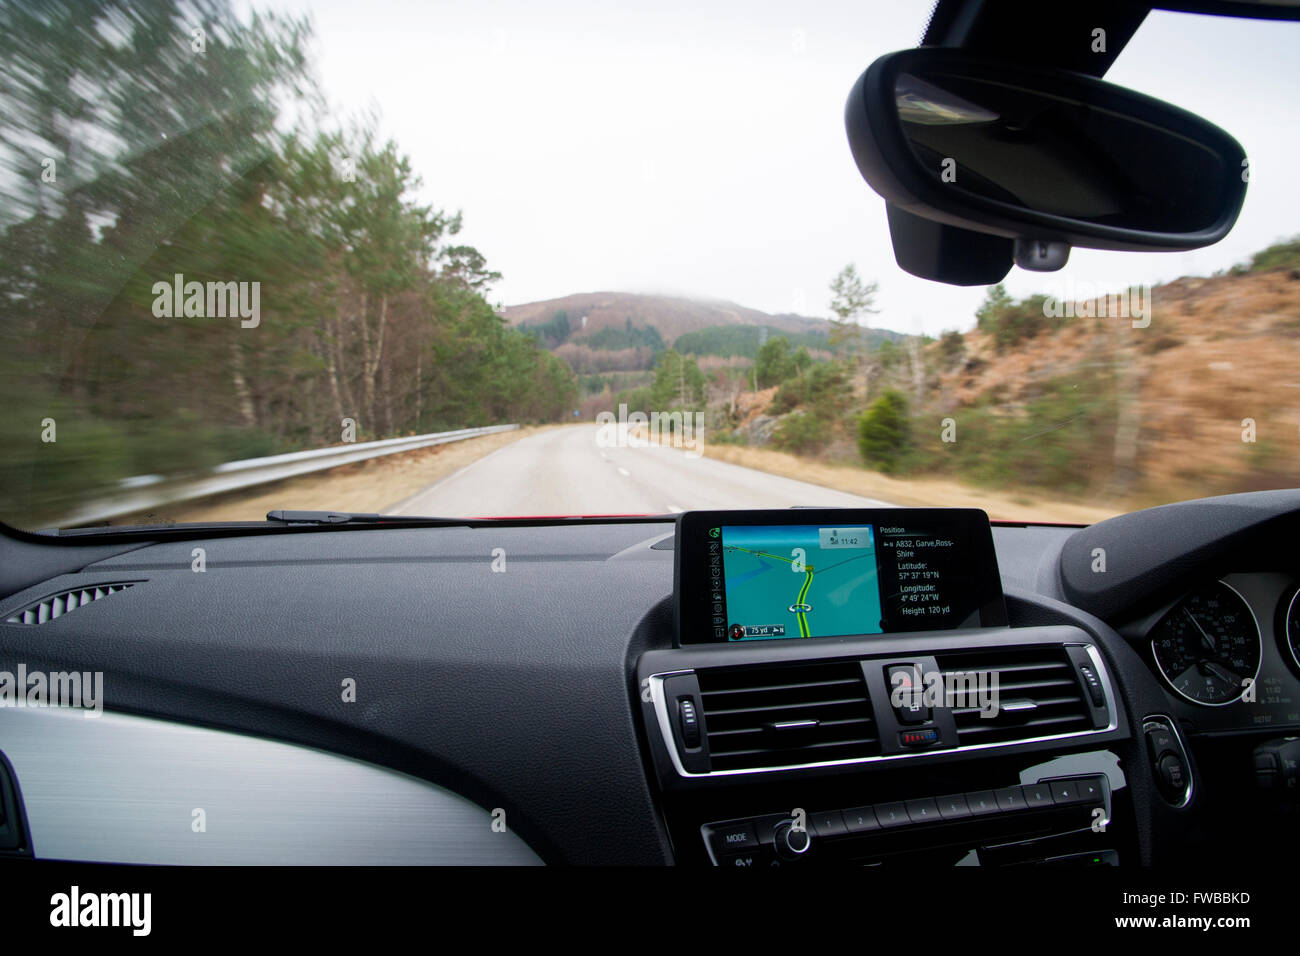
(735, 837)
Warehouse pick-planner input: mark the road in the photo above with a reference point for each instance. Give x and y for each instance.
(565, 471)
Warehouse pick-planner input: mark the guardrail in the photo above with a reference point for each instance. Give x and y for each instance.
(145, 492)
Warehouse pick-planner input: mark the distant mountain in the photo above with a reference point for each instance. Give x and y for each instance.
(669, 316)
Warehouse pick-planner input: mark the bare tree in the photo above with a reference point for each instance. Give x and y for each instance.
(851, 299)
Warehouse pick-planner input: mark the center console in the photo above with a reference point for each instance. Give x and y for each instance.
(844, 689)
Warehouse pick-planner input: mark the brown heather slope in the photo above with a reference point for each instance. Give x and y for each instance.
(1217, 351)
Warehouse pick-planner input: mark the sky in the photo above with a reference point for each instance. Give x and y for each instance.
(698, 148)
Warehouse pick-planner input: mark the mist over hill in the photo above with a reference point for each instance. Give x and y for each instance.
(671, 316)
(598, 332)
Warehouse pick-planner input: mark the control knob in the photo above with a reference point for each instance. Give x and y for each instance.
(792, 842)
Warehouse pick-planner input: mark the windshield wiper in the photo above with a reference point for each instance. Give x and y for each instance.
(356, 517)
(284, 520)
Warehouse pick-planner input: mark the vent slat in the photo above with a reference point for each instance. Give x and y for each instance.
(852, 743)
(1043, 676)
(823, 725)
(847, 682)
(741, 704)
(774, 707)
(1037, 724)
(1042, 703)
(822, 722)
(1014, 668)
(56, 606)
(1005, 685)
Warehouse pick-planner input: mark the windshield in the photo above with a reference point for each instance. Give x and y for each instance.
(559, 259)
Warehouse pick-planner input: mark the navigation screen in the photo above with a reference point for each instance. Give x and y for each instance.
(800, 581)
(816, 573)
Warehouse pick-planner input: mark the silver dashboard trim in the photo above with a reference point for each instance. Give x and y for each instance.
(119, 788)
(660, 704)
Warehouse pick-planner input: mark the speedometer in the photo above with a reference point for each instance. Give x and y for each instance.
(1208, 646)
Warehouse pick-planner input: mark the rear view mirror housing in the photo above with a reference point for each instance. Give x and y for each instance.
(1047, 158)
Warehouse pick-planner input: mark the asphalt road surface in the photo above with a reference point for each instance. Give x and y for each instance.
(565, 471)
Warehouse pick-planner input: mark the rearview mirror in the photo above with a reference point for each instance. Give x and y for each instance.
(1056, 159)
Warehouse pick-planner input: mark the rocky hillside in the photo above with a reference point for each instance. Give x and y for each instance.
(1203, 400)
(1218, 352)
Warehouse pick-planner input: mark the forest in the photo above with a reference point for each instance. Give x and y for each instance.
(152, 144)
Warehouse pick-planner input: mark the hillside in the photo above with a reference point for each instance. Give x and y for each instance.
(1205, 400)
(1218, 351)
(613, 340)
(669, 316)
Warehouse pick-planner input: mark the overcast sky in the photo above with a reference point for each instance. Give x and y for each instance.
(661, 147)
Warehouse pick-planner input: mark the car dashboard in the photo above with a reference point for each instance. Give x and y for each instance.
(511, 692)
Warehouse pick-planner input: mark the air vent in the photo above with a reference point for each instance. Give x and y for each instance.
(51, 607)
(1038, 695)
(773, 716)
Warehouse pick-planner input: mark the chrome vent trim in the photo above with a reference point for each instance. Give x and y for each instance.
(760, 715)
(659, 702)
(47, 609)
(1038, 690)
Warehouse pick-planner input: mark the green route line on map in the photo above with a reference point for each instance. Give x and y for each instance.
(800, 616)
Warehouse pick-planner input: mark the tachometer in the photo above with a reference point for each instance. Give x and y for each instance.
(1208, 646)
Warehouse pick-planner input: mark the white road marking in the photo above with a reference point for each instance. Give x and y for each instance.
(625, 473)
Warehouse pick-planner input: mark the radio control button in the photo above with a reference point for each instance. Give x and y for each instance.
(981, 802)
(1067, 792)
(735, 837)
(1038, 796)
(925, 810)
(1092, 789)
(954, 807)
(1010, 798)
(828, 823)
(861, 820)
(892, 814)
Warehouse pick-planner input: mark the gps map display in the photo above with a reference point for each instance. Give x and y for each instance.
(817, 573)
(800, 581)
